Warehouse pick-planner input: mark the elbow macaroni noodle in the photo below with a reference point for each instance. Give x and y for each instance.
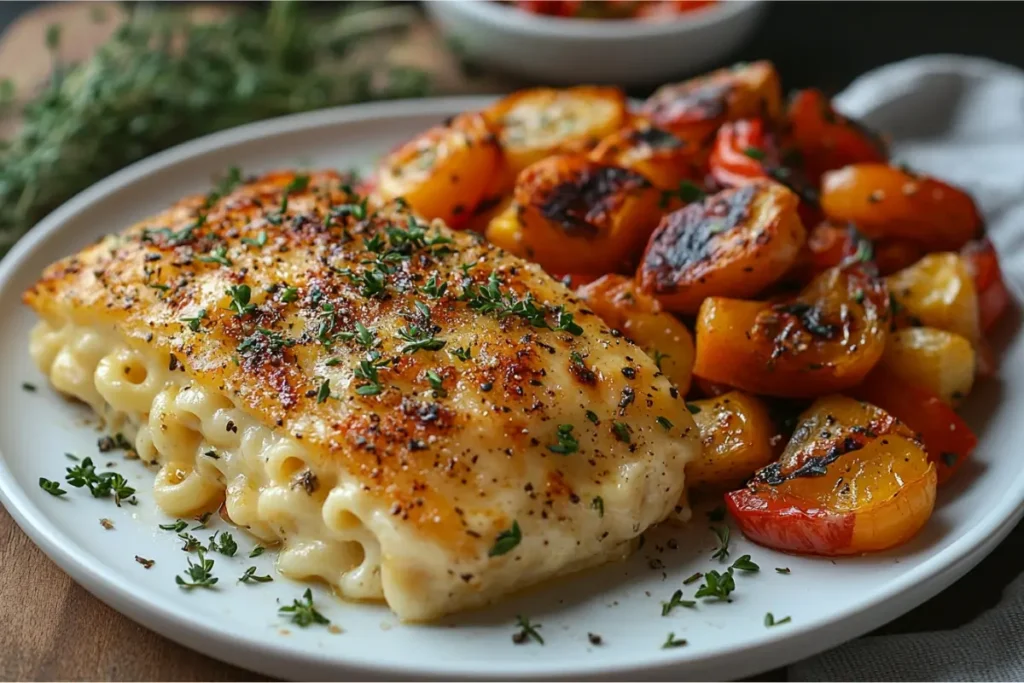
(207, 450)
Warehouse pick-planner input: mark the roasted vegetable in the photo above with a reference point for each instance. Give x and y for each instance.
(736, 431)
(537, 123)
(574, 215)
(824, 138)
(947, 438)
(941, 362)
(893, 254)
(742, 152)
(443, 172)
(937, 291)
(983, 264)
(734, 243)
(695, 108)
(828, 245)
(853, 479)
(825, 339)
(622, 307)
(662, 157)
(884, 201)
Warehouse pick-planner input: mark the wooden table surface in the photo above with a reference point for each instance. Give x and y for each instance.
(51, 628)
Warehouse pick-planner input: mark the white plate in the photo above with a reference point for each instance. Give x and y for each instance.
(828, 601)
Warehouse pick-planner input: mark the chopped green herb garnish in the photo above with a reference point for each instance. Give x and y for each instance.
(240, 295)
(257, 551)
(722, 532)
(202, 519)
(658, 356)
(225, 544)
(217, 255)
(250, 576)
(177, 527)
(324, 392)
(195, 321)
(693, 408)
(489, 298)
(199, 574)
(783, 570)
(363, 336)
(302, 611)
(506, 540)
(289, 294)
(418, 338)
(51, 487)
(567, 443)
(564, 322)
(754, 153)
(461, 353)
(433, 289)
(621, 431)
(592, 416)
(259, 241)
(664, 422)
(437, 384)
(598, 504)
(100, 485)
(717, 585)
(744, 563)
(676, 601)
(190, 543)
(367, 371)
(769, 620)
(692, 578)
(26, 386)
(526, 631)
(672, 641)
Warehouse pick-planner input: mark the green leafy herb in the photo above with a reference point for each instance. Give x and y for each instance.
(324, 392)
(769, 620)
(433, 289)
(100, 485)
(224, 186)
(621, 431)
(51, 487)
(240, 295)
(598, 504)
(202, 519)
(461, 353)
(526, 631)
(223, 543)
(489, 298)
(29, 387)
(506, 540)
(259, 242)
(672, 641)
(257, 551)
(693, 408)
(664, 422)
(564, 322)
(190, 543)
(418, 338)
(567, 443)
(264, 339)
(437, 383)
(250, 576)
(363, 336)
(217, 255)
(195, 321)
(783, 570)
(199, 574)
(658, 356)
(592, 416)
(754, 153)
(692, 578)
(302, 612)
(744, 563)
(289, 294)
(676, 601)
(689, 192)
(716, 585)
(722, 553)
(177, 526)
(367, 371)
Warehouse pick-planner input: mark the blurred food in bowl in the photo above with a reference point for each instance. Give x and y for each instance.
(551, 44)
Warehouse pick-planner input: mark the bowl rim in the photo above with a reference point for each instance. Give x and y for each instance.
(511, 19)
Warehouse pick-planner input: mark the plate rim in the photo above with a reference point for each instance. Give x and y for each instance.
(774, 648)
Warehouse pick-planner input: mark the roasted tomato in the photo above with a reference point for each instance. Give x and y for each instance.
(937, 291)
(853, 479)
(983, 265)
(444, 172)
(828, 245)
(734, 243)
(695, 108)
(662, 337)
(884, 201)
(574, 215)
(537, 123)
(660, 156)
(736, 431)
(941, 362)
(825, 139)
(825, 339)
(947, 438)
(891, 255)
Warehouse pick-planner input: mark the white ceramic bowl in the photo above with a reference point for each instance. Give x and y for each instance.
(627, 52)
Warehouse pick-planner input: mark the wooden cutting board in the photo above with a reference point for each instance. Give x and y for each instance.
(50, 627)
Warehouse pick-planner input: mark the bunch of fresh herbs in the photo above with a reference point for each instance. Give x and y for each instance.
(163, 79)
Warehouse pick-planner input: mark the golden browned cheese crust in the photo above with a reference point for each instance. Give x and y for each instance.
(429, 368)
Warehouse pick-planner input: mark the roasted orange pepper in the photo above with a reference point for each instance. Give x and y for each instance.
(853, 479)
(825, 339)
(993, 296)
(824, 138)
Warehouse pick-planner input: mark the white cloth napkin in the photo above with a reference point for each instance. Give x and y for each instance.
(961, 119)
